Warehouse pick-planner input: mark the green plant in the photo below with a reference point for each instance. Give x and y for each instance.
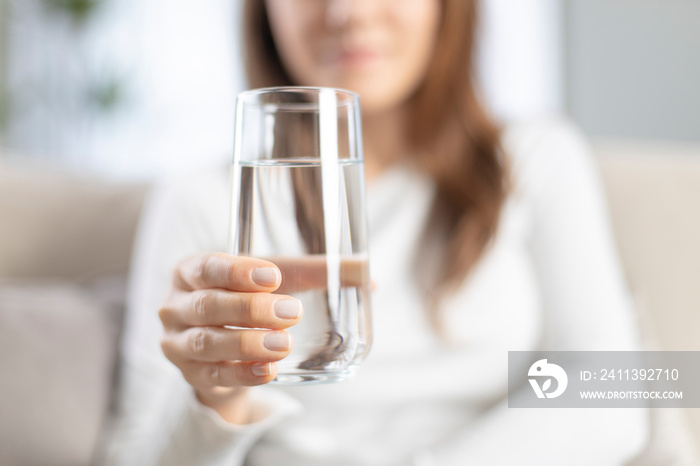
(78, 10)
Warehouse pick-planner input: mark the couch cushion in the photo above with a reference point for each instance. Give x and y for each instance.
(57, 358)
(53, 224)
(654, 197)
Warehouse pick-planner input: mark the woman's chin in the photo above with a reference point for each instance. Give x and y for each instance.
(377, 95)
(377, 105)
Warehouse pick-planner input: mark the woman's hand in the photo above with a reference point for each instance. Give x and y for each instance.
(209, 293)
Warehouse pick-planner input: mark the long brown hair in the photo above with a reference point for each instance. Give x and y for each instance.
(457, 143)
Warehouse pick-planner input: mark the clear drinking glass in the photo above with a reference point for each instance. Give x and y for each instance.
(298, 200)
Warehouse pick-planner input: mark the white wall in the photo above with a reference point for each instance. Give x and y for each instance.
(175, 59)
(521, 57)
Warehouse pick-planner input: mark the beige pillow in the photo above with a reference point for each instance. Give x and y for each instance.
(53, 224)
(58, 346)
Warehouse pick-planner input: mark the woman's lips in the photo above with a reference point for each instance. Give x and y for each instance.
(353, 57)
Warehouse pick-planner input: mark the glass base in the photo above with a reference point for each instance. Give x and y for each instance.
(311, 377)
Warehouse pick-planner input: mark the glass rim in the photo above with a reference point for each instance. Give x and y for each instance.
(246, 97)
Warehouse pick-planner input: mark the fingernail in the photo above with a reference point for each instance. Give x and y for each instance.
(288, 308)
(265, 276)
(261, 369)
(277, 341)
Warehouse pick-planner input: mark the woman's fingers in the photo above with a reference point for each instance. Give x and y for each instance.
(311, 272)
(216, 344)
(212, 293)
(228, 373)
(201, 308)
(219, 270)
(247, 274)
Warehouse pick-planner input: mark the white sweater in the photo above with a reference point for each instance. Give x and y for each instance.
(549, 281)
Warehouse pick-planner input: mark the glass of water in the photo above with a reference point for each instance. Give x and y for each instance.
(298, 200)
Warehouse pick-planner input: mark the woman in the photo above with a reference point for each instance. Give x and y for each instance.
(482, 241)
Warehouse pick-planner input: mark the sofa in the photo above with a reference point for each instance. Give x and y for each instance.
(65, 243)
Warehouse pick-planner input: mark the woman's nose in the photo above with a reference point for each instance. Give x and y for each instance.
(340, 13)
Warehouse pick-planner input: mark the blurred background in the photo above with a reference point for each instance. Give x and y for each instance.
(103, 85)
(99, 98)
